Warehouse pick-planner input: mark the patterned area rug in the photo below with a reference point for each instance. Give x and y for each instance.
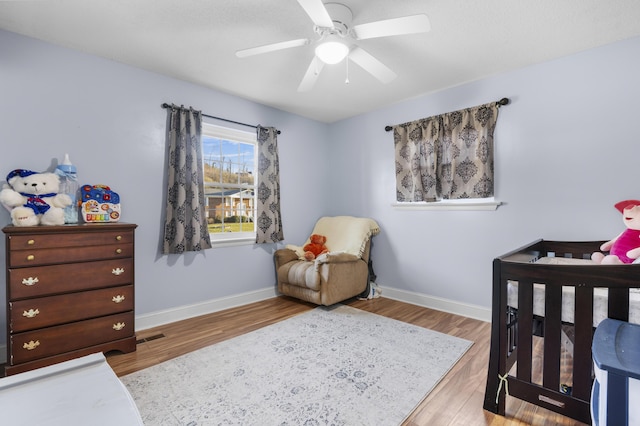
(328, 366)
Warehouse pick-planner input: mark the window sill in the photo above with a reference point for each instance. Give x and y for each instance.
(449, 205)
(230, 242)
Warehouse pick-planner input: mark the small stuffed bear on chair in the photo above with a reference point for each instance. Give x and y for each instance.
(33, 198)
(625, 248)
(315, 247)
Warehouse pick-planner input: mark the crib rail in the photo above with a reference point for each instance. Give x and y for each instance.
(511, 345)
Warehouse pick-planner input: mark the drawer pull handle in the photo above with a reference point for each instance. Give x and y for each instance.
(31, 257)
(118, 299)
(31, 345)
(31, 313)
(119, 237)
(31, 242)
(30, 281)
(117, 271)
(118, 250)
(118, 326)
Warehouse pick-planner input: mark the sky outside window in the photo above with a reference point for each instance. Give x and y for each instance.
(229, 156)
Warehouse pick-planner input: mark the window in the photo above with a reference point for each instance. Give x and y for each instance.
(230, 161)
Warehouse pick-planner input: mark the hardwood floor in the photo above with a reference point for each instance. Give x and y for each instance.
(456, 400)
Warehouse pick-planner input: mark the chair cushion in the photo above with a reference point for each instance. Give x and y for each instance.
(300, 273)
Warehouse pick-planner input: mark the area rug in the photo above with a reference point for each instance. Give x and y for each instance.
(328, 366)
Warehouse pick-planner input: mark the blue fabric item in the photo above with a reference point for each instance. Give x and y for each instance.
(21, 173)
(36, 203)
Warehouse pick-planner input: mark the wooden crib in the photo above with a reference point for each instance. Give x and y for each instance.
(558, 276)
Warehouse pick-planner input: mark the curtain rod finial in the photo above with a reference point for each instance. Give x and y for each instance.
(503, 101)
(388, 128)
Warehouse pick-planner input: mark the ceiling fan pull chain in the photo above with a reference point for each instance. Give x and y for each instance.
(347, 61)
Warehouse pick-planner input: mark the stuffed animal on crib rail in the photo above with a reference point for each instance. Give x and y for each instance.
(33, 198)
(625, 248)
(315, 247)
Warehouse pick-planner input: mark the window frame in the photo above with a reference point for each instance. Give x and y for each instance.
(229, 134)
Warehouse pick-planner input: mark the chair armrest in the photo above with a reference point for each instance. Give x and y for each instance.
(284, 255)
(337, 257)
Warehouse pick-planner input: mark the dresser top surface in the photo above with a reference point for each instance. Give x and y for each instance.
(62, 229)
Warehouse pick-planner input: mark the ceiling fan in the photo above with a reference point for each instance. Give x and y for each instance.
(337, 40)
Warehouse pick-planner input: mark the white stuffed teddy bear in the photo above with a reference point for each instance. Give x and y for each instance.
(33, 198)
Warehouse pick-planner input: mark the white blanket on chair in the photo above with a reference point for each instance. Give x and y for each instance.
(345, 234)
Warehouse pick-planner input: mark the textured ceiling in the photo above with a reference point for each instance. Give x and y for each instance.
(196, 40)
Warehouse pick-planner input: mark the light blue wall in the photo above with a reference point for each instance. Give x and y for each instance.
(107, 116)
(566, 151)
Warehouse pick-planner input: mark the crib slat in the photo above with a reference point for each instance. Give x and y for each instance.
(525, 329)
(552, 334)
(582, 380)
(619, 303)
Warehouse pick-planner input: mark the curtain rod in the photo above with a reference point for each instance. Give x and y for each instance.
(501, 102)
(166, 105)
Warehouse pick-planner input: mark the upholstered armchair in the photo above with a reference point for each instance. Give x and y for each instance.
(335, 276)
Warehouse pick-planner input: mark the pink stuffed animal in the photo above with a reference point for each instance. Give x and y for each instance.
(625, 248)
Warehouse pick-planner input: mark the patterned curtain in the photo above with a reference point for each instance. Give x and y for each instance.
(449, 156)
(416, 159)
(185, 226)
(269, 221)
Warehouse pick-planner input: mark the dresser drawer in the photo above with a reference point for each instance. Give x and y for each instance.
(53, 310)
(49, 280)
(31, 345)
(35, 257)
(69, 239)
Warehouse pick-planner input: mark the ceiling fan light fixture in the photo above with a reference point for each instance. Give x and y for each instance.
(332, 51)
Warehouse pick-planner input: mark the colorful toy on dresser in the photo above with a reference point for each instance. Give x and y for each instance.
(99, 204)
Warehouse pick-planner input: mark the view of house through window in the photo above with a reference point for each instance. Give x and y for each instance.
(230, 161)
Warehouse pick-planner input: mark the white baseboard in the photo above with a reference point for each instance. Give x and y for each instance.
(467, 310)
(180, 313)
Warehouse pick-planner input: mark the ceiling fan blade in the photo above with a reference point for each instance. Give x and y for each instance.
(372, 65)
(390, 27)
(271, 47)
(311, 75)
(317, 12)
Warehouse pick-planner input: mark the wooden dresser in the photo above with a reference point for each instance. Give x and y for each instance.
(70, 292)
